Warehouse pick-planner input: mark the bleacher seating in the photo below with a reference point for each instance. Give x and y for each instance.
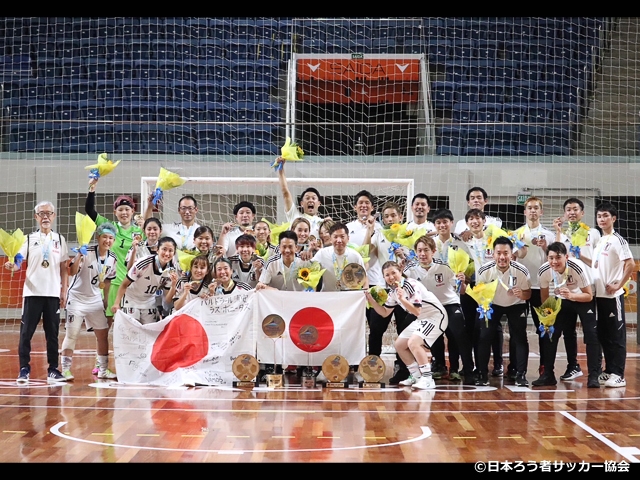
(167, 75)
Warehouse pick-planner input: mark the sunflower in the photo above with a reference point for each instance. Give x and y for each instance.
(409, 233)
(395, 227)
(547, 311)
(304, 274)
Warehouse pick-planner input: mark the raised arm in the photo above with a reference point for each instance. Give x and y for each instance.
(286, 193)
(90, 202)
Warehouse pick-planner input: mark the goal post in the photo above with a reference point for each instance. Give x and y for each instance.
(216, 196)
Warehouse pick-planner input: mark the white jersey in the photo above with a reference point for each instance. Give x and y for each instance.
(147, 282)
(431, 308)
(461, 226)
(382, 255)
(357, 231)
(442, 248)
(438, 278)
(593, 237)
(428, 226)
(200, 291)
(608, 263)
(84, 290)
(230, 241)
(334, 265)
(242, 272)
(141, 251)
(277, 275)
(516, 275)
(43, 281)
(314, 220)
(182, 234)
(536, 256)
(575, 277)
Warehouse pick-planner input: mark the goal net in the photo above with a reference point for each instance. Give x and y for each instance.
(519, 106)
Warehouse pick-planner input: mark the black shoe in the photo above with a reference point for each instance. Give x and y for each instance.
(545, 379)
(482, 380)
(401, 374)
(497, 372)
(593, 381)
(521, 380)
(572, 372)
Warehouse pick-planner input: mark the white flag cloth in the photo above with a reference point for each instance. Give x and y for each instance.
(317, 325)
(194, 346)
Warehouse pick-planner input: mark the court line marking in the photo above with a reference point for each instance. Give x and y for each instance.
(426, 433)
(628, 453)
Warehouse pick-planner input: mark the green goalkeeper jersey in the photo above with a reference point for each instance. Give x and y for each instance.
(121, 245)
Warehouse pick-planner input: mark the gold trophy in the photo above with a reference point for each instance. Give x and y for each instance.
(336, 369)
(308, 336)
(245, 367)
(353, 277)
(273, 326)
(372, 369)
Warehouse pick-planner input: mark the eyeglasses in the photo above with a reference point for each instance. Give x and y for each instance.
(45, 214)
(187, 209)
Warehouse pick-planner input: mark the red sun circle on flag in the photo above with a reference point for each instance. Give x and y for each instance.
(317, 318)
(182, 343)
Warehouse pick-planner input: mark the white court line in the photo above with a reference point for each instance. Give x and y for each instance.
(426, 432)
(626, 452)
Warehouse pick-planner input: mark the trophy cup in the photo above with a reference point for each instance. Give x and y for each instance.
(372, 369)
(245, 367)
(308, 335)
(273, 326)
(336, 369)
(353, 277)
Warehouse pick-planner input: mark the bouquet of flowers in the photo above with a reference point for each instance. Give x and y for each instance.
(458, 260)
(11, 243)
(276, 230)
(85, 227)
(309, 275)
(516, 240)
(289, 151)
(547, 313)
(102, 168)
(363, 250)
(262, 251)
(166, 181)
(185, 257)
(492, 232)
(483, 294)
(577, 233)
(379, 294)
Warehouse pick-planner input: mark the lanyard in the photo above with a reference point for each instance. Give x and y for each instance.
(599, 248)
(565, 276)
(511, 280)
(46, 248)
(286, 270)
(337, 269)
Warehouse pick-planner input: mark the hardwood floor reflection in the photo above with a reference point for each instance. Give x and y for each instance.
(90, 420)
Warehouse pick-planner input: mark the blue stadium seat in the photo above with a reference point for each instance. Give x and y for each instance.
(140, 49)
(211, 48)
(514, 113)
(220, 28)
(108, 90)
(244, 28)
(443, 93)
(153, 139)
(262, 141)
(489, 112)
(141, 111)
(74, 138)
(467, 92)
(174, 28)
(168, 111)
(22, 137)
(40, 110)
(194, 112)
(268, 112)
(91, 110)
(48, 137)
(182, 139)
(117, 111)
(219, 112)
(211, 139)
(540, 112)
(451, 141)
(492, 92)
(128, 138)
(185, 91)
(197, 28)
(134, 90)
(465, 112)
(66, 110)
(186, 49)
(208, 91)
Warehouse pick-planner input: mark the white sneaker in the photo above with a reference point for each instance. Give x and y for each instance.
(411, 380)
(425, 382)
(106, 373)
(615, 381)
(68, 376)
(603, 377)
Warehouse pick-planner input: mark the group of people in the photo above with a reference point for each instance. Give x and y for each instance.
(135, 267)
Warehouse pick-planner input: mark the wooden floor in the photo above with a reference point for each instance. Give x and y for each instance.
(91, 420)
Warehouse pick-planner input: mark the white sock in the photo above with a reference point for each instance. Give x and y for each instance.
(103, 362)
(414, 370)
(66, 362)
(425, 370)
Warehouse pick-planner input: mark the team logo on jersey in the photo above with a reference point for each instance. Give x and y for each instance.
(607, 247)
(569, 278)
(439, 278)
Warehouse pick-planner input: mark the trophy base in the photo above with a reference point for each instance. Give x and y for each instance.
(370, 385)
(336, 385)
(275, 381)
(246, 384)
(308, 382)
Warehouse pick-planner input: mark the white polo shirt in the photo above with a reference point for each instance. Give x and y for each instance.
(536, 256)
(516, 275)
(41, 281)
(438, 278)
(575, 277)
(334, 265)
(608, 263)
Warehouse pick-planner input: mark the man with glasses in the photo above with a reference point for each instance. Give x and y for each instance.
(182, 232)
(44, 290)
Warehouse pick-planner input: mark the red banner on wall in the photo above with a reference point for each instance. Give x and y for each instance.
(392, 69)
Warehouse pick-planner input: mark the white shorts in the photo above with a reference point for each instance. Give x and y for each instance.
(426, 328)
(94, 317)
(143, 315)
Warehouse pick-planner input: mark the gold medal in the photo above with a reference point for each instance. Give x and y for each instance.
(101, 285)
(45, 264)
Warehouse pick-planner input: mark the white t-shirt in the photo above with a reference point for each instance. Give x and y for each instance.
(230, 241)
(516, 275)
(41, 281)
(608, 263)
(461, 226)
(575, 277)
(314, 220)
(357, 231)
(84, 290)
(418, 295)
(442, 248)
(428, 226)
(334, 265)
(277, 275)
(147, 280)
(439, 279)
(199, 292)
(536, 256)
(182, 234)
